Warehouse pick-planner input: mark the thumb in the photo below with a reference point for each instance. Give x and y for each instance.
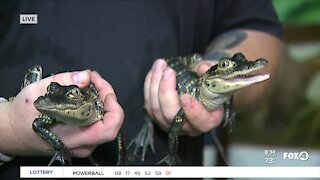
(79, 78)
(34, 90)
(203, 67)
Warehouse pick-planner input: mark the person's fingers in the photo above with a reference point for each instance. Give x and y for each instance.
(101, 131)
(200, 118)
(203, 66)
(80, 78)
(168, 95)
(187, 129)
(146, 94)
(107, 129)
(83, 152)
(112, 120)
(157, 69)
(102, 86)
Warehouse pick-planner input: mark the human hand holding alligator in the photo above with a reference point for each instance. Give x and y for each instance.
(212, 89)
(18, 137)
(162, 101)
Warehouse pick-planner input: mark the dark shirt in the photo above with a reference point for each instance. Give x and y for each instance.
(120, 40)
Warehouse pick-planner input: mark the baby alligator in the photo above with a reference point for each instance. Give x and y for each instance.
(70, 105)
(213, 89)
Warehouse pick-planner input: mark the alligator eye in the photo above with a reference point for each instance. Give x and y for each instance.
(224, 64)
(75, 92)
(70, 95)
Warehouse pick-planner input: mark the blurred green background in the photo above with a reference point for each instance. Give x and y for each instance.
(298, 12)
(290, 115)
(288, 118)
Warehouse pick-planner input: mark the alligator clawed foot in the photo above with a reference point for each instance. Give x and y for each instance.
(62, 156)
(170, 160)
(123, 160)
(143, 140)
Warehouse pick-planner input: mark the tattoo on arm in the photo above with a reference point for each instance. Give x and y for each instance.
(216, 54)
(217, 49)
(229, 40)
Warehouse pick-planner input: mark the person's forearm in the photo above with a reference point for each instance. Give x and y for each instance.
(5, 129)
(254, 45)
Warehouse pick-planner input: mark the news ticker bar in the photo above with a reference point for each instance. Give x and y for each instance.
(167, 172)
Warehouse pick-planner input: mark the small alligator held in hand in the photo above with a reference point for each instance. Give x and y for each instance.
(70, 105)
(213, 89)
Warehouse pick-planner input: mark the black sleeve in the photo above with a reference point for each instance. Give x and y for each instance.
(8, 10)
(247, 14)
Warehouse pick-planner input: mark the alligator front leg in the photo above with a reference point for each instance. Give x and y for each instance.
(229, 114)
(40, 126)
(144, 138)
(173, 157)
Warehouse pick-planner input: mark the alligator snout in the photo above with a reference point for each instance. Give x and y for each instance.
(42, 100)
(262, 62)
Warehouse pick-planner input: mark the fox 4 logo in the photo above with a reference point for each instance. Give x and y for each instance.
(303, 155)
